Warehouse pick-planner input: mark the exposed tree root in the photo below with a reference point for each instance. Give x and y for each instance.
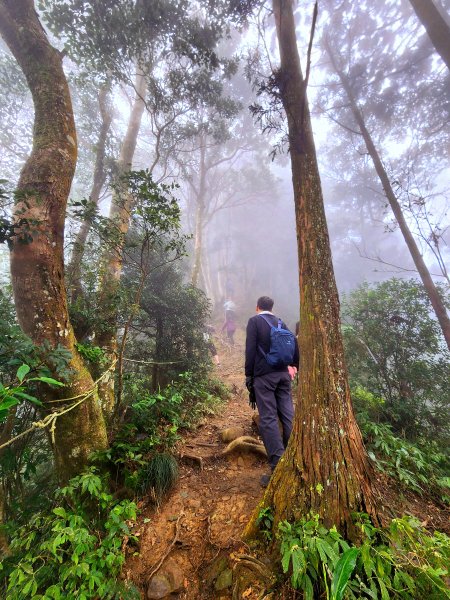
(249, 571)
(159, 564)
(245, 445)
(186, 457)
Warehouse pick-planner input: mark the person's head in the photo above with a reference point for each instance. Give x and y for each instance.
(264, 303)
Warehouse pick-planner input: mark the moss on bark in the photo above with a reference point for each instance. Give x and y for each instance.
(37, 265)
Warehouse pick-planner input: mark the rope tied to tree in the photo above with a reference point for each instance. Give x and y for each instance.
(51, 419)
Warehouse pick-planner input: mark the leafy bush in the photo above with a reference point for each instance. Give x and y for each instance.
(401, 561)
(74, 550)
(12, 395)
(92, 354)
(414, 465)
(396, 351)
(152, 429)
(26, 467)
(180, 405)
(171, 323)
(265, 522)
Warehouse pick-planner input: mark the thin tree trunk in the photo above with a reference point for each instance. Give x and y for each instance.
(156, 367)
(74, 269)
(325, 469)
(437, 26)
(206, 273)
(37, 267)
(120, 213)
(199, 216)
(198, 244)
(428, 283)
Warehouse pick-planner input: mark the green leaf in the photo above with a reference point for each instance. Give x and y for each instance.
(48, 380)
(286, 559)
(7, 402)
(320, 547)
(383, 589)
(342, 573)
(25, 396)
(298, 563)
(367, 560)
(22, 371)
(307, 588)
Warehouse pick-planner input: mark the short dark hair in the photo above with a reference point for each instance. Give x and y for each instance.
(265, 303)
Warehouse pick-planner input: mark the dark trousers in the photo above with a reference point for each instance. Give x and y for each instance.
(274, 401)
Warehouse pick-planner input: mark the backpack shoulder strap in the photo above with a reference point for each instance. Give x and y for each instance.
(267, 320)
(270, 325)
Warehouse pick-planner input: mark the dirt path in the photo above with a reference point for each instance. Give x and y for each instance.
(192, 534)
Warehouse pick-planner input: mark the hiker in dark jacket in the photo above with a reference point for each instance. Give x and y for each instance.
(272, 385)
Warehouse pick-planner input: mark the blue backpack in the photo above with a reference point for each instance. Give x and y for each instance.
(282, 346)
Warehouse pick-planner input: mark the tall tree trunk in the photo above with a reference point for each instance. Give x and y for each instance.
(119, 214)
(199, 215)
(437, 25)
(206, 273)
(37, 267)
(325, 469)
(74, 268)
(428, 283)
(198, 244)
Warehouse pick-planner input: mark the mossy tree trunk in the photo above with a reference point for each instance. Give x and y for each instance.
(325, 469)
(112, 260)
(37, 267)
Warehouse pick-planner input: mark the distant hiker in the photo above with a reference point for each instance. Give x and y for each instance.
(207, 336)
(230, 325)
(270, 348)
(230, 308)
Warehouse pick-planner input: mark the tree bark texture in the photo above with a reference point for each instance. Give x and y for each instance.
(325, 469)
(199, 215)
(111, 269)
(428, 283)
(74, 268)
(437, 26)
(37, 267)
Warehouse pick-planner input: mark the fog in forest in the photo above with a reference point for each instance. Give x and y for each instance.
(164, 164)
(248, 245)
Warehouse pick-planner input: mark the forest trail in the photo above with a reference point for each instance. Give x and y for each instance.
(188, 539)
(187, 543)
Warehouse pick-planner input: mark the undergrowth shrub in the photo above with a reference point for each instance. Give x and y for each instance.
(401, 561)
(158, 475)
(418, 466)
(74, 550)
(395, 349)
(138, 456)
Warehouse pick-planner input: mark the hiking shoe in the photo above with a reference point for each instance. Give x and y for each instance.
(264, 481)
